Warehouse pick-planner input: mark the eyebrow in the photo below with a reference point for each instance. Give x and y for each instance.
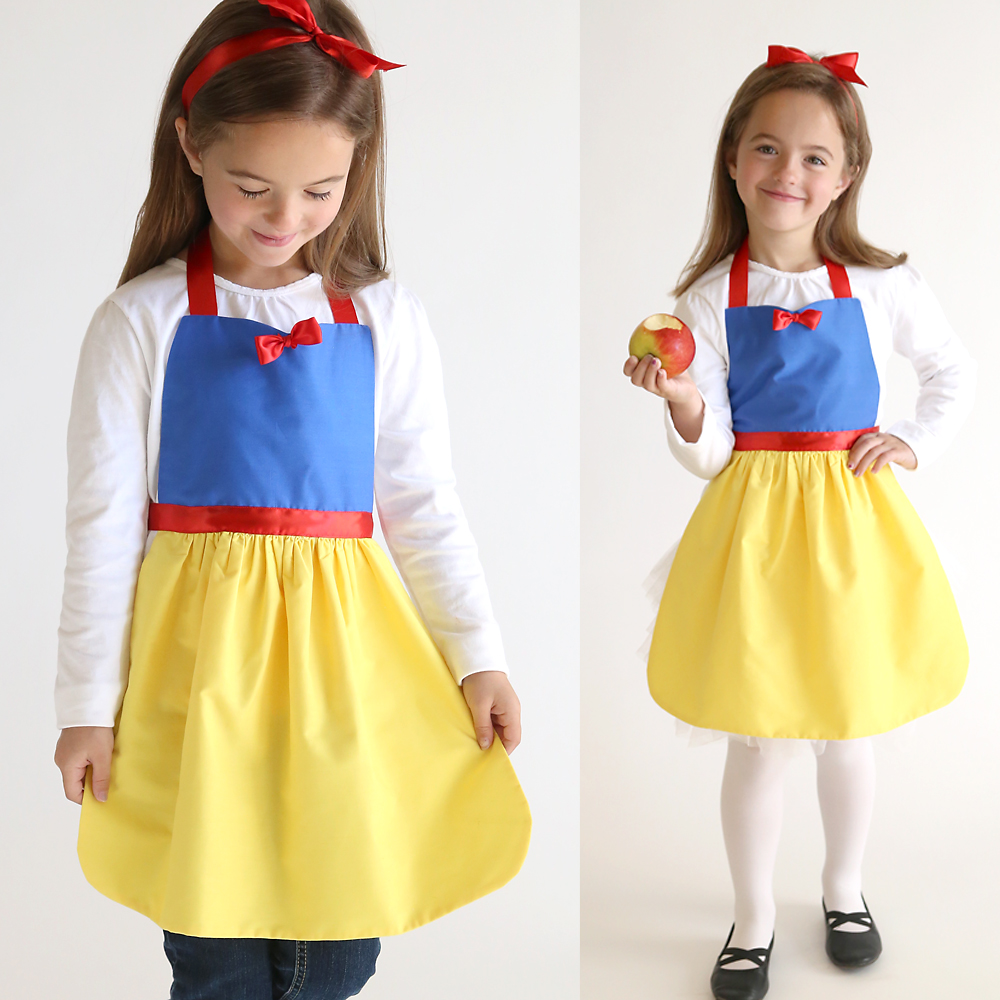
(264, 180)
(766, 135)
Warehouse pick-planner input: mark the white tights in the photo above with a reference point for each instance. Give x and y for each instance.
(752, 801)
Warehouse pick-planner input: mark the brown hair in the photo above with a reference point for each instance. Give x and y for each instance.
(837, 233)
(292, 82)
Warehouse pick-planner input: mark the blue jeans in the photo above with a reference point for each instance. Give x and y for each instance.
(263, 969)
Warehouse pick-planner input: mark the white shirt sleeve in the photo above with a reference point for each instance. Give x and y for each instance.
(418, 507)
(709, 455)
(945, 371)
(105, 520)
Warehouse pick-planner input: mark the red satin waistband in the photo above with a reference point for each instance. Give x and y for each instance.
(798, 440)
(261, 521)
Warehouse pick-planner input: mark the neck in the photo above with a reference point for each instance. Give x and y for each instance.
(230, 263)
(793, 251)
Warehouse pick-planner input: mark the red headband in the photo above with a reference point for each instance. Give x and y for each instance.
(299, 12)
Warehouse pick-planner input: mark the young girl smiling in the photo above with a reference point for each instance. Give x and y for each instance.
(271, 745)
(805, 600)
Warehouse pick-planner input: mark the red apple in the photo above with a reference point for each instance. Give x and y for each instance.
(666, 338)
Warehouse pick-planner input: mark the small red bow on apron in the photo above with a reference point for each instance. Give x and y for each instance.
(270, 345)
(808, 317)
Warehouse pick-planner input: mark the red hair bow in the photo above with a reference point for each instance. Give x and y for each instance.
(299, 12)
(840, 65)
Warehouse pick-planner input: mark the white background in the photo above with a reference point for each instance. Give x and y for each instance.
(657, 79)
(483, 190)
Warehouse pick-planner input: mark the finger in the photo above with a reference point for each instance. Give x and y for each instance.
(73, 776)
(483, 722)
(507, 719)
(100, 776)
(639, 372)
(654, 369)
(892, 455)
(869, 457)
(510, 735)
(866, 454)
(630, 364)
(858, 449)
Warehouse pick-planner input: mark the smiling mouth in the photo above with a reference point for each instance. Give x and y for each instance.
(781, 196)
(274, 241)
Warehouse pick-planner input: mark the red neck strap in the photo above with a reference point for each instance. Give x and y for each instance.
(739, 276)
(201, 284)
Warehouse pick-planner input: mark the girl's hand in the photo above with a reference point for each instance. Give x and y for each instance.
(78, 747)
(649, 374)
(494, 705)
(686, 405)
(878, 450)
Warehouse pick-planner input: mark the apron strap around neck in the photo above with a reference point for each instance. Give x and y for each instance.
(739, 277)
(343, 310)
(201, 284)
(839, 281)
(201, 277)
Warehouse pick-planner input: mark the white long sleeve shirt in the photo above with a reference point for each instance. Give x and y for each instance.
(901, 314)
(114, 440)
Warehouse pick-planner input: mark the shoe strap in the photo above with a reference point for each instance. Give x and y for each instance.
(756, 955)
(834, 918)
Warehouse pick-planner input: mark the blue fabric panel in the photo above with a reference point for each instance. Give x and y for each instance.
(799, 379)
(298, 432)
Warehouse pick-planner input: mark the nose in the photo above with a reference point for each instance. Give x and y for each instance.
(281, 215)
(785, 170)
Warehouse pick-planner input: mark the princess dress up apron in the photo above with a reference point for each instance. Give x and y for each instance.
(803, 602)
(292, 758)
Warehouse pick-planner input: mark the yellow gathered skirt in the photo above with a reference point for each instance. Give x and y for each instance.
(805, 603)
(293, 758)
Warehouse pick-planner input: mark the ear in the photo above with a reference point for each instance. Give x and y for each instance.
(846, 180)
(192, 154)
(731, 163)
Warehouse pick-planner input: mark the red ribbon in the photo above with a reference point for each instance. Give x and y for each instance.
(798, 440)
(359, 60)
(840, 65)
(270, 345)
(808, 317)
(261, 521)
(299, 12)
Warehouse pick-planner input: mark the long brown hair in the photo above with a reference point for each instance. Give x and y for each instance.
(837, 233)
(293, 82)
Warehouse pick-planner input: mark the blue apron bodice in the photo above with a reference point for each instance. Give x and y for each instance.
(297, 432)
(796, 379)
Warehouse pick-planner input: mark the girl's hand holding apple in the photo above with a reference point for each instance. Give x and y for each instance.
(660, 351)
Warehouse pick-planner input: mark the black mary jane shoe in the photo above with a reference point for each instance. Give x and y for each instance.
(851, 949)
(741, 984)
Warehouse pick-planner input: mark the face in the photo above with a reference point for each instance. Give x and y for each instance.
(789, 164)
(272, 186)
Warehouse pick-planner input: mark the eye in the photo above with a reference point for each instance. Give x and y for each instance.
(766, 149)
(816, 161)
(319, 196)
(252, 194)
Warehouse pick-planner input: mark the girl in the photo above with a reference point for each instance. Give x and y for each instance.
(291, 770)
(805, 600)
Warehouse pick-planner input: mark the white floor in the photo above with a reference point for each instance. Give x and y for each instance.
(657, 903)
